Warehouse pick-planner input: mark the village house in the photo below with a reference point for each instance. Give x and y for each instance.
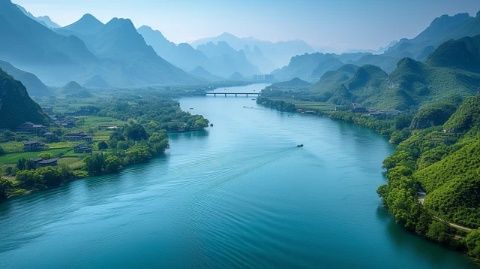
(33, 146)
(78, 137)
(45, 162)
(28, 127)
(82, 148)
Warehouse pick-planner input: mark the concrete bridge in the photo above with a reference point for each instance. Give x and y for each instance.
(246, 94)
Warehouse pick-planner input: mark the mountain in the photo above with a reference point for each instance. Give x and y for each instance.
(466, 117)
(308, 67)
(72, 86)
(439, 31)
(32, 83)
(182, 55)
(96, 82)
(44, 20)
(75, 90)
(30, 46)
(203, 74)
(462, 54)
(291, 85)
(266, 55)
(16, 107)
(224, 61)
(127, 59)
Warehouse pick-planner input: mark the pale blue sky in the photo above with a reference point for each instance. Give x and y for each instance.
(336, 24)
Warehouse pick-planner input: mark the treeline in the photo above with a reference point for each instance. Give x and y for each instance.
(130, 145)
(276, 104)
(153, 109)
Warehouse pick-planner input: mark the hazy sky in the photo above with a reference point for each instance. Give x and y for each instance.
(336, 24)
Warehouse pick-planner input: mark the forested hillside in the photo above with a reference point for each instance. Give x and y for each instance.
(442, 161)
(16, 107)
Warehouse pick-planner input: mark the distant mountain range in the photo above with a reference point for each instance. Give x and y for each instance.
(312, 66)
(452, 70)
(182, 55)
(266, 55)
(87, 51)
(126, 58)
(30, 46)
(45, 20)
(16, 106)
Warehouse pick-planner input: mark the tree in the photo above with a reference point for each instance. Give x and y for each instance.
(136, 132)
(2, 151)
(473, 243)
(5, 185)
(138, 154)
(112, 164)
(95, 163)
(29, 178)
(24, 164)
(21, 164)
(438, 231)
(102, 145)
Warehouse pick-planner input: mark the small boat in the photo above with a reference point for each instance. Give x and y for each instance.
(191, 108)
(300, 146)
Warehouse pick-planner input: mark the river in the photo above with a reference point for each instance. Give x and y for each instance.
(239, 195)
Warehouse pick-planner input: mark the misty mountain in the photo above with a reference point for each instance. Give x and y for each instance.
(201, 73)
(32, 83)
(266, 55)
(16, 106)
(44, 20)
(420, 47)
(410, 85)
(440, 30)
(96, 82)
(126, 59)
(308, 67)
(30, 46)
(182, 55)
(224, 61)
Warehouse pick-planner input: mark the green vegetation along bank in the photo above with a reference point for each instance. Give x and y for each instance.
(88, 136)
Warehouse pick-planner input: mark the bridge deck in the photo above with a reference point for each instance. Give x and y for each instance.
(232, 93)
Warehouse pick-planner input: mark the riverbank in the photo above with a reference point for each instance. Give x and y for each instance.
(406, 171)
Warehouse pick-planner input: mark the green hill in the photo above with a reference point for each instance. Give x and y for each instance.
(466, 117)
(16, 107)
(443, 162)
(450, 72)
(462, 54)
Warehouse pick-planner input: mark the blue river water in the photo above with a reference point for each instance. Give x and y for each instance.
(238, 195)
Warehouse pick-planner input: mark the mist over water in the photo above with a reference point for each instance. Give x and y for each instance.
(238, 195)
